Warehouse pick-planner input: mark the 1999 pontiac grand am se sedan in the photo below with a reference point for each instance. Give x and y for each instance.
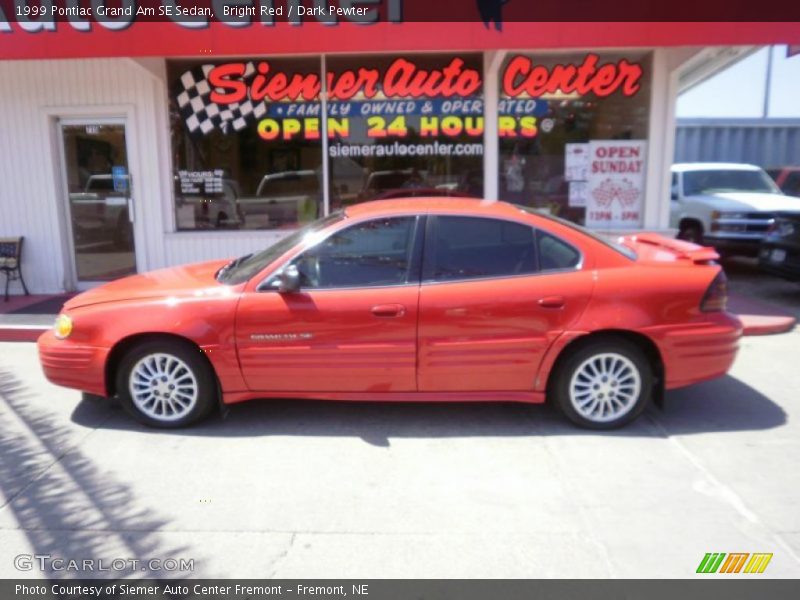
(437, 299)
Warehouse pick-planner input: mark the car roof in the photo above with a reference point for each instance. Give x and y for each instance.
(713, 166)
(422, 204)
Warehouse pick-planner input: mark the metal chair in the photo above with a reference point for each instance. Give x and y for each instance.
(11, 262)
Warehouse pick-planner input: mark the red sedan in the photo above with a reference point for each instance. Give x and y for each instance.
(438, 299)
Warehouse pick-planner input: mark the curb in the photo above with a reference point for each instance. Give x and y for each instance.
(20, 333)
(760, 318)
(765, 325)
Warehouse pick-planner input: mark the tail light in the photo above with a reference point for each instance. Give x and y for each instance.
(716, 297)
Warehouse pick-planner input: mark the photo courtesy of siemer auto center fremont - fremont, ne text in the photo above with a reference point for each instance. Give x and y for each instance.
(399, 298)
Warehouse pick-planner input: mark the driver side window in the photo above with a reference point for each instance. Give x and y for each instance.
(369, 254)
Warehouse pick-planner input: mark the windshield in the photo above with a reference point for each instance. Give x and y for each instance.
(244, 268)
(717, 181)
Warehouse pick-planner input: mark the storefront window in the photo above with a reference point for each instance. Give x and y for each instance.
(404, 126)
(573, 135)
(246, 143)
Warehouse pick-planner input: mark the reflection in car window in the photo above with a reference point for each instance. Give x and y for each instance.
(555, 254)
(373, 253)
(250, 266)
(471, 247)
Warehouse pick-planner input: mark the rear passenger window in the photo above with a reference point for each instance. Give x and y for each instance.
(555, 254)
(471, 247)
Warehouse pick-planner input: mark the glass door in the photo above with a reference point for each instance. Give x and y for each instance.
(99, 204)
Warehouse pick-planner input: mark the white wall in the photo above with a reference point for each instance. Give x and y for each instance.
(32, 202)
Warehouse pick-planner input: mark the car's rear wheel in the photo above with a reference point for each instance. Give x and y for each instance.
(166, 384)
(604, 384)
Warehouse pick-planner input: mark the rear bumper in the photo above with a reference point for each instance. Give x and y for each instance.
(73, 365)
(699, 351)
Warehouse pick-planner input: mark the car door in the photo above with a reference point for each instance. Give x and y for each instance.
(351, 327)
(495, 294)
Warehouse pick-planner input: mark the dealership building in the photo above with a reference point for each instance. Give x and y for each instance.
(131, 144)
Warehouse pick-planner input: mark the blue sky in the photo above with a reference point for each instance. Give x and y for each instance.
(738, 91)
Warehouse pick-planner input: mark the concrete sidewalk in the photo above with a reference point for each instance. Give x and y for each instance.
(22, 321)
(312, 489)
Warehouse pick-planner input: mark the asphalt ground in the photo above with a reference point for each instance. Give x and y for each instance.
(300, 489)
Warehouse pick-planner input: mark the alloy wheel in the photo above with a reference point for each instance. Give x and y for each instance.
(163, 387)
(605, 387)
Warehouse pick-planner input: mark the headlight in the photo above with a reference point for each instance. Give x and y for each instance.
(62, 327)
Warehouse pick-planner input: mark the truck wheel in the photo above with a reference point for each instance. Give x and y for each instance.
(691, 232)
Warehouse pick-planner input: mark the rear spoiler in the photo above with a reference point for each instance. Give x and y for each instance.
(685, 250)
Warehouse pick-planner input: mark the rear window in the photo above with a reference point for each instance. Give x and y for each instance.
(555, 254)
(627, 252)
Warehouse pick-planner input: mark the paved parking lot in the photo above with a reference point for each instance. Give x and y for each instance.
(312, 489)
(746, 280)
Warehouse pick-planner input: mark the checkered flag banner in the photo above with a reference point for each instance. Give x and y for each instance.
(202, 116)
(624, 191)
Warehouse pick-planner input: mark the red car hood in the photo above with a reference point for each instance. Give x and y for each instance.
(163, 283)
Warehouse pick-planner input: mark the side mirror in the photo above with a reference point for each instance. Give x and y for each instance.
(288, 280)
(674, 195)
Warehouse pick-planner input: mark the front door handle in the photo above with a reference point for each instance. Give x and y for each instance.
(552, 302)
(388, 310)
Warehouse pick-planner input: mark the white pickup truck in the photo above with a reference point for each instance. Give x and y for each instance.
(726, 205)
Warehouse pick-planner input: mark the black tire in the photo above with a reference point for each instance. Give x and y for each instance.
(189, 363)
(630, 406)
(691, 232)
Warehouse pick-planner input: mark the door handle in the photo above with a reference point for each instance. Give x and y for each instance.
(552, 302)
(388, 310)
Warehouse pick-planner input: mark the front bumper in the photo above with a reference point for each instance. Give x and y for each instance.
(745, 246)
(788, 268)
(73, 365)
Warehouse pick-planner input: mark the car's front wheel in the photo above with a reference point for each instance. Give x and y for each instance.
(166, 384)
(691, 232)
(605, 384)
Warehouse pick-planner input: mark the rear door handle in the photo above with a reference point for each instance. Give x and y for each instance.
(388, 310)
(552, 302)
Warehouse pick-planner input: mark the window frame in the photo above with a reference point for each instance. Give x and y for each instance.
(414, 272)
